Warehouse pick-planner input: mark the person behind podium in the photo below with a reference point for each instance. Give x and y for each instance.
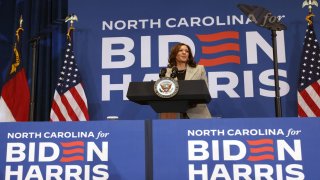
(181, 58)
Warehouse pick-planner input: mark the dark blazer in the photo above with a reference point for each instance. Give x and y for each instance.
(195, 73)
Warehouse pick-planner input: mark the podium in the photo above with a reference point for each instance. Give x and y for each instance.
(190, 92)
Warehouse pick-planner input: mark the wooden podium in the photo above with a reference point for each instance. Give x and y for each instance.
(169, 115)
(190, 92)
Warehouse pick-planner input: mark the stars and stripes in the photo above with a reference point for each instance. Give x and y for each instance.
(309, 80)
(69, 101)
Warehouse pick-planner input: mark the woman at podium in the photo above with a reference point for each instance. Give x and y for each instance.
(182, 66)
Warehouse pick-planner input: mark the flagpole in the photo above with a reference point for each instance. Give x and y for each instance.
(31, 110)
(35, 42)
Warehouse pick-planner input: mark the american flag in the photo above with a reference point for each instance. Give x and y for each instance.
(69, 101)
(309, 87)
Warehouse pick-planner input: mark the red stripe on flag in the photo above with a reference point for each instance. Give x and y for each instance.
(69, 109)
(301, 113)
(218, 36)
(316, 87)
(57, 111)
(80, 101)
(16, 94)
(310, 102)
(220, 61)
(220, 48)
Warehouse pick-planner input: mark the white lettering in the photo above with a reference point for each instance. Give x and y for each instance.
(107, 87)
(108, 52)
(102, 154)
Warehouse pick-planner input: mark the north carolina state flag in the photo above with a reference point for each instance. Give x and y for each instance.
(15, 94)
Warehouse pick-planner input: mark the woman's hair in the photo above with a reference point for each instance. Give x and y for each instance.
(173, 54)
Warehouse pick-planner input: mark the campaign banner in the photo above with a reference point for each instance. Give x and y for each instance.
(117, 42)
(73, 150)
(265, 148)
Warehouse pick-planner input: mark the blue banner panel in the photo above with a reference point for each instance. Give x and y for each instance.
(73, 150)
(266, 148)
(117, 42)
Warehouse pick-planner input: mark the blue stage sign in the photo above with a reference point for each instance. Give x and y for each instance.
(266, 148)
(73, 150)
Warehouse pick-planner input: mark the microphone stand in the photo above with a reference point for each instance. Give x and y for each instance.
(262, 17)
(276, 75)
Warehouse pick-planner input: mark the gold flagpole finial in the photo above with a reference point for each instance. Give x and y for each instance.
(16, 50)
(19, 29)
(309, 3)
(20, 21)
(71, 18)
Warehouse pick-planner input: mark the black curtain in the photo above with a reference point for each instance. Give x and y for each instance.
(42, 44)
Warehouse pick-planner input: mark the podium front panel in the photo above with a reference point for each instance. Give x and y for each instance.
(190, 92)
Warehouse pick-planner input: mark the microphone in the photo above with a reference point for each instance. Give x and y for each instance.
(174, 72)
(163, 72)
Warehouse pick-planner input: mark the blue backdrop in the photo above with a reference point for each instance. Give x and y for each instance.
(122, 41)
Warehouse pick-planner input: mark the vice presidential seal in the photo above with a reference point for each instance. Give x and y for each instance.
(166, 87)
